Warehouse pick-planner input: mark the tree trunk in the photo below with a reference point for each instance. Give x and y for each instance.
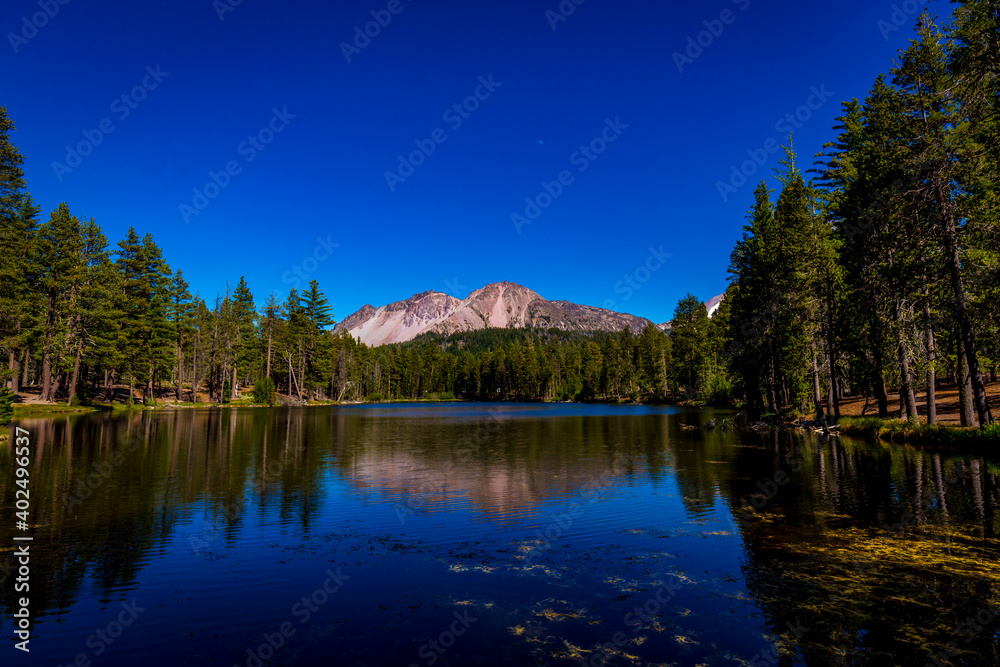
(236, 362)
(15, 371)
(906, 396)
(76, 373)
(24, 367)
(292, 379)
(47, 350)
(302, 374)
(267, 372)
(212, 368)
(931, 372)
(180, 373)
(46, 375)
(59, 384)
(961, 309)
(964, 387)
(817, 396)
(106, 396)
(833, 402)
(194, 373)
(881, 396)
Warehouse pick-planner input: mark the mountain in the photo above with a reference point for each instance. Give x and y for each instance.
(499, 305)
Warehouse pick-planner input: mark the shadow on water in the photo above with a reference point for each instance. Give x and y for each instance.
(570, 534)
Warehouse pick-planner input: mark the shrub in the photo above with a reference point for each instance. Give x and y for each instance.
(373, 398)
(718, 390)
(6, 405)
(264, 392)
(991, 431)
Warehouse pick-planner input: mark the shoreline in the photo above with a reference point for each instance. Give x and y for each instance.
(891, 430)
(900, 431)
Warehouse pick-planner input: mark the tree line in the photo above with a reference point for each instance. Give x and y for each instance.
(86, 321)
(883, 271)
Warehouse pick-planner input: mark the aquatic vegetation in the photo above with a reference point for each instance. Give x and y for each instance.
(841, 582)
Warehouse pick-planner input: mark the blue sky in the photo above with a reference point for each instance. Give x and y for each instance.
(299, 140)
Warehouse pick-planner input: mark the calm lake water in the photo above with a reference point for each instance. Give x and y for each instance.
(475, 534)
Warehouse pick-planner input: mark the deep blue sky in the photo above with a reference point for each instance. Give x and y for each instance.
(448, 226)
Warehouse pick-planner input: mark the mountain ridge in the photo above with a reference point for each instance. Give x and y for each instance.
(496, 305)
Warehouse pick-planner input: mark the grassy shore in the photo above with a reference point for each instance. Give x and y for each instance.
(896, 430)
(47, 409)
(55, 409)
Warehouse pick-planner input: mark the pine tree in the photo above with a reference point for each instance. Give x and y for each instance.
(93, 323)
(244, 321)
(688, 336)
(18, 284)
(61, 271)
(146, 336)
(753, 304)
(927, 85)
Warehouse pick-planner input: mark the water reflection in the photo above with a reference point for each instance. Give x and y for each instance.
(841, 551)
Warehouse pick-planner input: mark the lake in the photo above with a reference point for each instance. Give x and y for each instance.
(481, 534)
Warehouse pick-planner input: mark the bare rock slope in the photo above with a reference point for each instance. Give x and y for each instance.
(499, 305)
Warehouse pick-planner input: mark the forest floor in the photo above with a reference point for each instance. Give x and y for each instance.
(947, 404)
